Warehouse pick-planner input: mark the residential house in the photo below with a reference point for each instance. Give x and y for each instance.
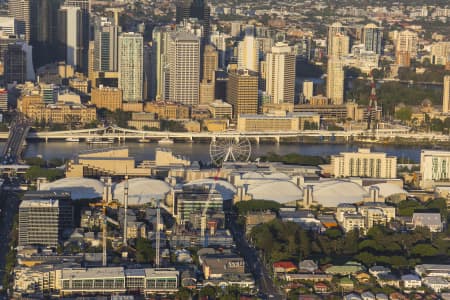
(381, 296)
(347, 284)
(307, 266)
(368, 296)
(411, 281)
(352, 296)
(388, 279)
(321, 288)
(376, 270)
(437, 284)
(362, 277)
(284, 267)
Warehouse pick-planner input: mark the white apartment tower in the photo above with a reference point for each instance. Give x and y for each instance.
(333, 30)
(248, 54)
(335, 81)
(131, 64)
(407, 42)
(184, 68)
(280, 79)
(339, 45)
(308, 89)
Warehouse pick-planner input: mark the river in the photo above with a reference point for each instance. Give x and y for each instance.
(200, 151)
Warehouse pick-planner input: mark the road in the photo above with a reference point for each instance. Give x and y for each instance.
(262, 276)
(16, 138)
(9, 205)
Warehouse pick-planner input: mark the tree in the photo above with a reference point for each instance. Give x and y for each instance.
(437, 125)
(208, 291)
(424, 250)
(184, 294)
(403, 114)
(244, 207)
(333, 233)
(144, 251)
(34, 172)
(305, 244)
(35, 161)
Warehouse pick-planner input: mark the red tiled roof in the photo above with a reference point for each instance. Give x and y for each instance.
(284, 265)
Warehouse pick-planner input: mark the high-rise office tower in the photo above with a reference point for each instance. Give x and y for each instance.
(340, 45)
(131, 66)
(333, 29)
(85, 7)
(198, 9)
(335, 81)
(446, 95)
(44, 38)
(105, 44)
(372, 37)
(20, 10)
(248, 53)
(218, 40)
(15, 64)
(242, 92)
(18, 63)
(43, 218)
(70, 35)
(184, 68)
(160, 46)
(280, 74)
(210, 63)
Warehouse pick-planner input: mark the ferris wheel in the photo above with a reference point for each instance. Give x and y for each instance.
(230, 149)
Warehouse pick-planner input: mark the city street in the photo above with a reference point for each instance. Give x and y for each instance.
(9, 204)
(262, 276)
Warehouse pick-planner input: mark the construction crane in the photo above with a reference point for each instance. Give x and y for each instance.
(212, 189)
(125, 200)
(372, 109)
(158, 234)
(104, 204)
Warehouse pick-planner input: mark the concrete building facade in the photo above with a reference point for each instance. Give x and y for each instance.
(131, 66)
(364, 164)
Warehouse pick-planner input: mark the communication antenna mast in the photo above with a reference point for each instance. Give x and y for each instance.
(372, 109)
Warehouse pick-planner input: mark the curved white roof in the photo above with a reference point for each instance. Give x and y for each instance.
(252, 175)
(281, 191)
(226, 189)
(141, 190)
(79, 188)
(389, 189)
(256, 175)
(330, 193)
